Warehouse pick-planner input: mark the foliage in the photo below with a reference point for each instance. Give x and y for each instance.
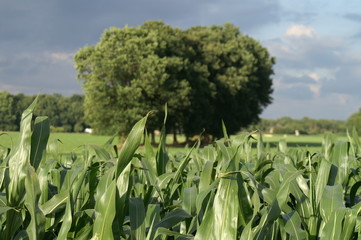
(7, 112)
(205, 74)
(227, 190)
(66, 113)
(354, 121)
(238, 84)
(287, 125)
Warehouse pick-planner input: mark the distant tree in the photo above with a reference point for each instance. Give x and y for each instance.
(354, 121)
(48, 105)
(7, 112)
(72, 113)
(205, 74)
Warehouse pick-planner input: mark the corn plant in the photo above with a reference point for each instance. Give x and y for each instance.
(227, 190)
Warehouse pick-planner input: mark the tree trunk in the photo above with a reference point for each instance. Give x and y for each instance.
(152, 138)
(175, 140)
(122, 139)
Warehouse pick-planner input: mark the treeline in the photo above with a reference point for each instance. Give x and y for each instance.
(66, 114)
(287, 125)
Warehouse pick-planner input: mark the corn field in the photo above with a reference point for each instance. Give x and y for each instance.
(227, 190)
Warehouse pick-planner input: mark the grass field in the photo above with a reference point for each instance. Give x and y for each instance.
(68, 142)
(73, 142)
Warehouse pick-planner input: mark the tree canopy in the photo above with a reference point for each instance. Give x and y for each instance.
(355, 120)
(205, 74)
(65, 113)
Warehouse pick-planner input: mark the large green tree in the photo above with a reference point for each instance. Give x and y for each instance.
(205, 74)
(238, 84)
(130, 72)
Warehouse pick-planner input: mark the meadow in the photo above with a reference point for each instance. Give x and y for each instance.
(74, 142)
(239, 187)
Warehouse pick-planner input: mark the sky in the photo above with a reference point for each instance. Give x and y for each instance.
(317, 44)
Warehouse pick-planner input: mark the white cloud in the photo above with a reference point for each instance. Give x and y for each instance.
(314, 76)
(342, 98)
(61, 56)
(315, 89)
(300, 31)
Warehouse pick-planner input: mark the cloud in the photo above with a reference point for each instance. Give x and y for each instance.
(332, 106)
(295, 92)
(41, 73)
(313, 73)
(61, 56)
(69, 25)
(38, 38)
(356, 17)
(314, 76)
(300, 31)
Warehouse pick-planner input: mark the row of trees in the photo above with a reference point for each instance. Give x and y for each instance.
(287, 125)
(65, 113)
(205, 74)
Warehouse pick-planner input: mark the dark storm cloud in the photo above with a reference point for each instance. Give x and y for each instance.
(40, 74)
(32, 31)
(66, 25)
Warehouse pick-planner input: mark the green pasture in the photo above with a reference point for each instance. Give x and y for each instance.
(74, 142)
(67, 142)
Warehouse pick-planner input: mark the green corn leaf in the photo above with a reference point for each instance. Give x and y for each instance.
(267, 220)
(130, 146)
(349, 224)
(333, 225)
(220, 222)
(16, 173)
(67, 220)
(322, 179)
(56, 203)
(180, 169)
(36, 228)
(201, 197)
(172, 218)
(84, 233)
(332, 200)
(153, 215)
(169, 233)
(247, 232)
(39, 140)
(206, 176)
(340, 158)
(260, 149)
(18, 160)
(293, 226)
(105, 213)
(152, 218)
(122, 185)
(355, 145)
(137, 218)
(224, 129)
(150, 161)
(353, 192)
(189, 200)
